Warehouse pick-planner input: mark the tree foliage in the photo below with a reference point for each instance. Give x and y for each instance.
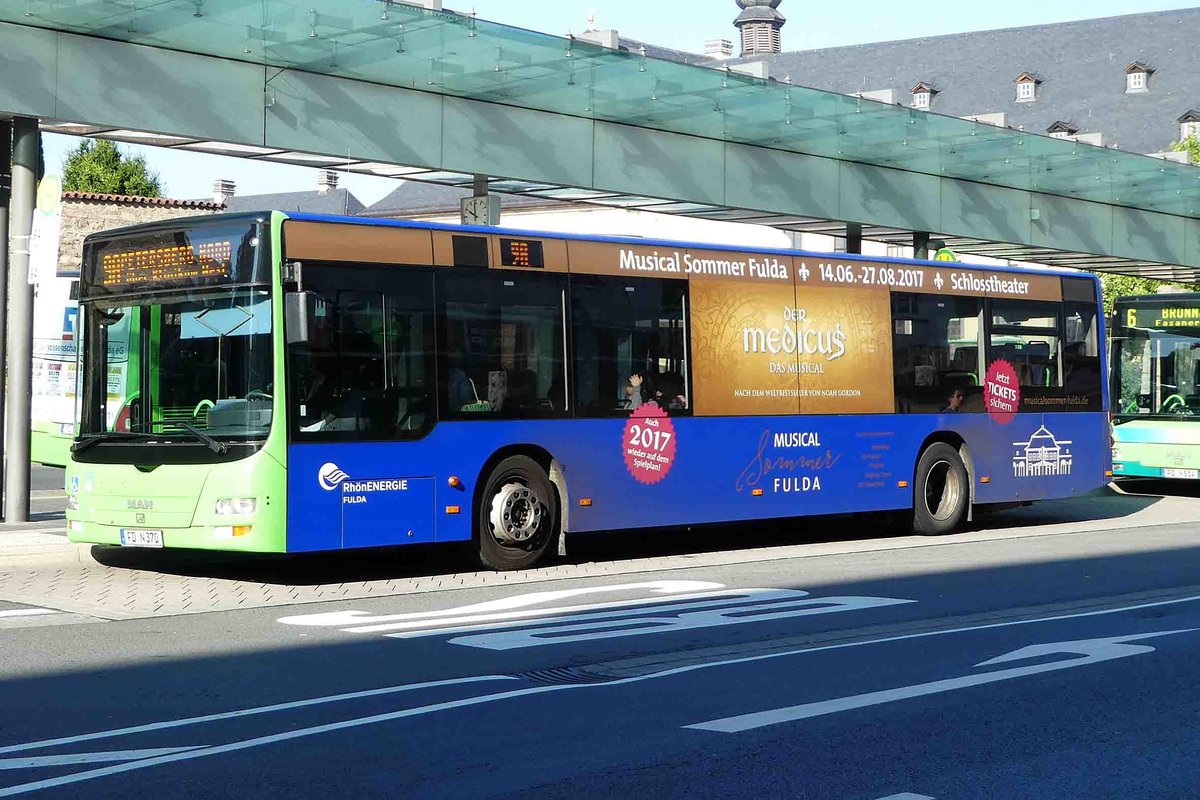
(1123, 285)
(1191, 146)
(100, 166)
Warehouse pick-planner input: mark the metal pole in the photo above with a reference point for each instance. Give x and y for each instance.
(20, 321)
(854, 238)
(5, 192)
(920, 245)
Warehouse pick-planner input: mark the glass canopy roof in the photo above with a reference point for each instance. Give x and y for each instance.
(394, 43)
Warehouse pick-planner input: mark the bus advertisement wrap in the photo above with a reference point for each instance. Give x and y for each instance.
(760, 349)
(398, 383)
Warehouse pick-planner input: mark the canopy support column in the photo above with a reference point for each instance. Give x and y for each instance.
(20, 321)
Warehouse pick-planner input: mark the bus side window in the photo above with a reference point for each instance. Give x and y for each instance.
(1026, 334)
(631, 345)
(501, 344)
(1082, 373)
(365, 374)
(936, 352)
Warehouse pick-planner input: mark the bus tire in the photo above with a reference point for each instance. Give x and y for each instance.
(941, 491)
(517, 518)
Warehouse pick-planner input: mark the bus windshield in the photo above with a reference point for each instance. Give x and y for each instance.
(1157, 372)
(197, 364)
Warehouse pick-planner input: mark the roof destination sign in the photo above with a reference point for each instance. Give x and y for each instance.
(166, 264)
(1163, 318)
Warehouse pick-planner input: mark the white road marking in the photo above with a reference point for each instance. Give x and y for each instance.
(26, 612)
(32, 762)
(479, 700)
(1090, 651)
(633, 617)
(769, 605)
(509, 608)
(259, 741)
(248, 712)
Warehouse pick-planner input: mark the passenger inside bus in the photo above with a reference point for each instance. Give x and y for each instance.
(954, 402)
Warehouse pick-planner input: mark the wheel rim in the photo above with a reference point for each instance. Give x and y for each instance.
(516, 514)
(943, 491)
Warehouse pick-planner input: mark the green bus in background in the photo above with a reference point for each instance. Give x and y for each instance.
(1156, 386)
(55, 378)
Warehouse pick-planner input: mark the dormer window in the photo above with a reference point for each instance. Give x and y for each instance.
(1189, 125)
(922, 96)
(1027, 87)
(1062, 130)
(1137, 78)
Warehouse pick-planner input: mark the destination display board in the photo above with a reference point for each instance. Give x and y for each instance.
(161, 258)
(1163, 317)
(521, 253)
(161, 265)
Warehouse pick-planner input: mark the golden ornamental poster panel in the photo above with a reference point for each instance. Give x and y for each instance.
(843, 338)
(744, 364)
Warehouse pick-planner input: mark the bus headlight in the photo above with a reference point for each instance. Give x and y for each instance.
(72, 502)
(236, 506)
(1117, 455)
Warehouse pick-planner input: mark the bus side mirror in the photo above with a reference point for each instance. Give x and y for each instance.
(299, 311)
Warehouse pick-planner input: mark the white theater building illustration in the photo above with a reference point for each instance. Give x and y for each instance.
(1042, 455)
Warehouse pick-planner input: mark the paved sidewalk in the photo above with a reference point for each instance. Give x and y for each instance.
(41, 541)
(38, 566)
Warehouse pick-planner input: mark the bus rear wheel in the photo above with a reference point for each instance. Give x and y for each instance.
(942, 491)
(517, 518)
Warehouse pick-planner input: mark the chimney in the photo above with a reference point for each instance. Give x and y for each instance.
(327, 181)
(609, 39)
(223, 191)
(718, 49)
(755, 69)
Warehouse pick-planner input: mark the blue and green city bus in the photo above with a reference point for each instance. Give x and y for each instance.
(299, 383)
(1156, 386)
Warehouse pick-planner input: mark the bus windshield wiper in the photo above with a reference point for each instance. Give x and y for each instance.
(210, 442)
(108, 436)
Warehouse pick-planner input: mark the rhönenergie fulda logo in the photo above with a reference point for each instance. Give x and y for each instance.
(330, 476)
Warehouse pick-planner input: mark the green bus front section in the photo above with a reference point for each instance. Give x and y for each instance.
(180, 500)
(48, 445)
(1157, 448)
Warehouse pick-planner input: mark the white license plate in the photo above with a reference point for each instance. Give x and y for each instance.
(1189, 474)
(137, 538)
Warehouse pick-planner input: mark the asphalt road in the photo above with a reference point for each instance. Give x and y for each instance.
(48, 500)
(1048, 667)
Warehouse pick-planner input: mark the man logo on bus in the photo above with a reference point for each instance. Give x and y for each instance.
(330, 476)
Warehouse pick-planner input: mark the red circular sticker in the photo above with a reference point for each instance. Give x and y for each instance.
(649, 444)
(1002, 391)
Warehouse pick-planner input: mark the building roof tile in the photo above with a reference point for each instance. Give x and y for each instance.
(133, 200)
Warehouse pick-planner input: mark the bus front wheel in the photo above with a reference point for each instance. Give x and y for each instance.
(942, 491)
(517, 518)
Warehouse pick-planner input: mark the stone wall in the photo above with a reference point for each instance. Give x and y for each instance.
(82, 217)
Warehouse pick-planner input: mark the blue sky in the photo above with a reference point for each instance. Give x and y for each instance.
(682, 24)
